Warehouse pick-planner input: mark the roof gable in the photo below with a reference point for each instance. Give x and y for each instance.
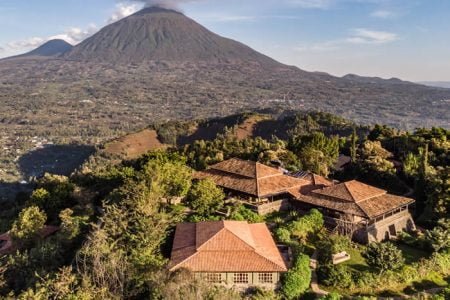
(225, 246)
(224, 236)
(250, 177)
(352, 191)
(237, 166)
(355, 198)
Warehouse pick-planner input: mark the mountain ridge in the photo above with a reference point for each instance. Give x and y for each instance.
(51, 48)
(139, 70)
(158, 34)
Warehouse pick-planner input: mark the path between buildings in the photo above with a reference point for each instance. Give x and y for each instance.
(314, 282)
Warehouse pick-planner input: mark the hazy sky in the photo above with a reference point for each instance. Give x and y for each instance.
(409, 39)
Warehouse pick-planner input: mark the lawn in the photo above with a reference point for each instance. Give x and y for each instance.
(356, 261)
(411, 254)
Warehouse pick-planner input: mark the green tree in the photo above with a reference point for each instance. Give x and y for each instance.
(353, 146)
(168, 174)
(283, 235)
(205, 197)
(384, 256)
(297, 279)
(71, 226)
(308, 224)
(439, 236)
(53, 194)
(30, 221)
(316, 152)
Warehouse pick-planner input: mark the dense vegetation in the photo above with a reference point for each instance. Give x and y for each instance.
(116, 221)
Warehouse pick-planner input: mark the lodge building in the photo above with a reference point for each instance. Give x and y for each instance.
(230, 253)
(363, 212)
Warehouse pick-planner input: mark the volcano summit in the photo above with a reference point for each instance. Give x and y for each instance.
(158, 34)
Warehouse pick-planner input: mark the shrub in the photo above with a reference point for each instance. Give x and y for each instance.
(283, 235)
(383, 256)
(439, 237)
(335, 275)
(297, 279)
(331, 245)
(308, 224)
(331, 296)
(31, 220)
(242, 213)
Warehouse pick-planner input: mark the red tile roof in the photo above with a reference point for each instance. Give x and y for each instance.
(355, 198)
(353, 191)
(225, 246)
(251, 178)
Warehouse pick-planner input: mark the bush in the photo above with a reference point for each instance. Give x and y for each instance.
(384, 256)
(31, 220)
(297, 279)
(331, 245)
(242, 213)
(335, 275)
(308, 224)
(331, 296)
(283, 235)
(439, 237)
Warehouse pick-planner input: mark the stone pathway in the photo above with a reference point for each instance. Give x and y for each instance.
(314, 282)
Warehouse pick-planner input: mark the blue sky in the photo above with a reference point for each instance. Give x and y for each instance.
(408, 39)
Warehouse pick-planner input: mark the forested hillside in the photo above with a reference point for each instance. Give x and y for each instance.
(115, 223)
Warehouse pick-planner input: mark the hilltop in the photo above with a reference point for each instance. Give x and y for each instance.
(159, 65)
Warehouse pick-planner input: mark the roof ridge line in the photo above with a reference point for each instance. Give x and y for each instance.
(196, 248)
(348, 190)
(257, 179)
(269, 260)
(240, 237)
(224, 228)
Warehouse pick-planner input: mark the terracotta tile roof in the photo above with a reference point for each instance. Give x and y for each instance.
(353, 191)
(251, 178)
(225, 246)
(355, 198)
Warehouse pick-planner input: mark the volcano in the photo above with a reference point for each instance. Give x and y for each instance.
(158, 34)
(52, 48)
(159, 64)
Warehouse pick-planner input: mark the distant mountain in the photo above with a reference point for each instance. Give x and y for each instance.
(158, 34)
(158, 64)
(51, 48)
(441, 84)
(374, 80)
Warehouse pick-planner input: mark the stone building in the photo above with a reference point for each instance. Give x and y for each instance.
(230, 253)
(364, 212)
(260, 187)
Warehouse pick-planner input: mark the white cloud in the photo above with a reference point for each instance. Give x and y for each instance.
(319, 47)
(73, 35)
(383, 14)
(25, 44)
(320, 4)
(367, 36)
(123, 10)
(169, 4)
(76, 35)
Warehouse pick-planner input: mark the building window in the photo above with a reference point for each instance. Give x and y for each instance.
(265, 277)
(240, 278)
(214, 277)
